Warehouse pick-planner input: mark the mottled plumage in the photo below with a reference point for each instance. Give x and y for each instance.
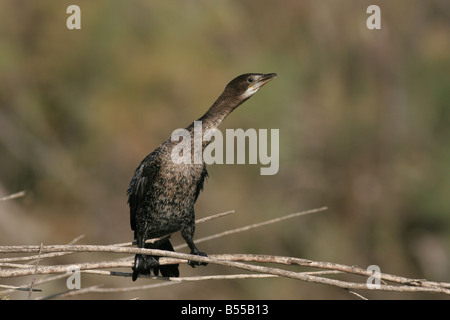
(162, 193)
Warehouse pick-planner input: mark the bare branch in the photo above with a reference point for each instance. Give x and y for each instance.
(388, 282)
(13, 288)
(409, 285)
(34, 274)
(14, 196)
(252, 226)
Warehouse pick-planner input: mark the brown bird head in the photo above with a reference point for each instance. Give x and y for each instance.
(246, 85)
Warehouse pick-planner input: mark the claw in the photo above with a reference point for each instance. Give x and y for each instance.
(144, 264)
(193, 264)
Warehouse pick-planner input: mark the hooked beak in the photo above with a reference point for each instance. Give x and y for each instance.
(260, 80)
(265, 78)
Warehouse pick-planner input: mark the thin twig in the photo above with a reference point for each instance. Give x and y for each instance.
(35, 270)
(42, 256)
(14, 196)
(15, 288)
(252, 226)
(214, 216)
(168, 281)
(75, 240)
(40, 281)
(164, 282)
(357, 294)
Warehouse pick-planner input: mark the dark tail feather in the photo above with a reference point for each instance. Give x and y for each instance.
(168, 270)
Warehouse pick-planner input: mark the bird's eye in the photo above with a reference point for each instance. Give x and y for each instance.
(250, 79)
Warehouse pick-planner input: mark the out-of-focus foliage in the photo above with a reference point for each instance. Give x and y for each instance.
(363, 118)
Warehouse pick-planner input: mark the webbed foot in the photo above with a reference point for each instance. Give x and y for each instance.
(144, 264)
(193, 264)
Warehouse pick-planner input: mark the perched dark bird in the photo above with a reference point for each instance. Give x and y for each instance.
(162, 193)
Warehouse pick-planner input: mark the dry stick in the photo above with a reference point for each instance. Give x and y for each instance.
(171, 281)
(13, 196)
(35, 270)
(334, 267)
(319, 264)
(70, 292)
(40, 256)
(418, 284)
(81, 236)
(357, 294)
(214, 216)
(342, 284)
(198, 278)
(256, 225)
(331, 266)
(3, 261)
(13, 273)
(40, 281)
(14, 265)
(15, 288)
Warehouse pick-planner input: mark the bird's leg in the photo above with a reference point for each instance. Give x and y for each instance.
(144, 264)
(188, 235)
(194, 250)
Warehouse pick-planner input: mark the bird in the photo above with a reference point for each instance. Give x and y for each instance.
(162, 193)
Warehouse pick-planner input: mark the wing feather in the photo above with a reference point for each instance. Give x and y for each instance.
(140, 185)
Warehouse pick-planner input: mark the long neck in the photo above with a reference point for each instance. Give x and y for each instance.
(212, 119)
(223, 106)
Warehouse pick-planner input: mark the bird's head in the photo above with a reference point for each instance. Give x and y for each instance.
(236, 92)
(246, 85)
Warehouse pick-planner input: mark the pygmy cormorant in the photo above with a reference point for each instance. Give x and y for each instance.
(162, 193)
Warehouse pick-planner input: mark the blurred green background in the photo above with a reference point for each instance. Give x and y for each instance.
(363, 118)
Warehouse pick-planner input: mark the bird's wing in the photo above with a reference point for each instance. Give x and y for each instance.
(200, 182)
(140, 185)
